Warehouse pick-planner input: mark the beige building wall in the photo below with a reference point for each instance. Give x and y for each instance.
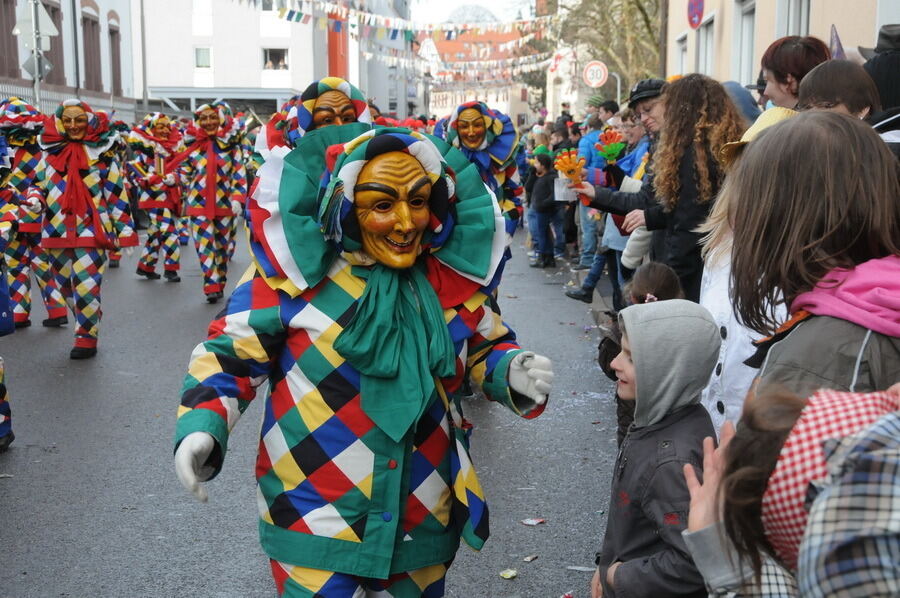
(725, 24)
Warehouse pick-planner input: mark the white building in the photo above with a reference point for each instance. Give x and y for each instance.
(90, 54)
(239, 51)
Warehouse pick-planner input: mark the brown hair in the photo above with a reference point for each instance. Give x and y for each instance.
(839, 82)
(654, 279)
(794, 55)
(627, 114)
(699, 114)
(750, 459)
(813, 193)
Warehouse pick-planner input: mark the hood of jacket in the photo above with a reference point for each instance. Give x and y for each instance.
(674, 348)
(867, 295)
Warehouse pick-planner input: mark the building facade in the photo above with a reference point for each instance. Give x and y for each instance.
(89, 56)
(733, 34)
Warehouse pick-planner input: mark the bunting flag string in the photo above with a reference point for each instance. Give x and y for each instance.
(402, 28)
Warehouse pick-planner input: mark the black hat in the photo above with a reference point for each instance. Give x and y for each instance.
(760, 84)
(888, 39)
(643, 89)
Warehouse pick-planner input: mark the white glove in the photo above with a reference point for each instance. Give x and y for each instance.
(33, 203)
(236, 208)
(129, 251)
(169, 180)
(531, 375)
(190, 456)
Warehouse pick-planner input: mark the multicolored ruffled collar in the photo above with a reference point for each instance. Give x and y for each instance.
(99, 136)
(500, 139)
(297, 197)
(229, 132)
(20, 122)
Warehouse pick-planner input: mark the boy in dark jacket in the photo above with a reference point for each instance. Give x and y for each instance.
(543, 202)
(669, 350)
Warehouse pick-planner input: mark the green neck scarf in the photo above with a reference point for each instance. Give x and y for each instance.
(399, 342)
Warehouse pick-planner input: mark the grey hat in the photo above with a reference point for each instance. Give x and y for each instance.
(888, 39)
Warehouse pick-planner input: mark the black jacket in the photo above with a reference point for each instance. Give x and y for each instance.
(649, 508)
(543, 197)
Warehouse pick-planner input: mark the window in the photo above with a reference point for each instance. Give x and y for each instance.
(681, 66)
(270, 5)
(9, 47)
(115, 52)
(275, 59)
(746, 69)
(705, 47)
(93, 78)
(202, 58)
(797, 17)
(56, 76)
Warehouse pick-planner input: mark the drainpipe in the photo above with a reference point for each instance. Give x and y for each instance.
(75, 47)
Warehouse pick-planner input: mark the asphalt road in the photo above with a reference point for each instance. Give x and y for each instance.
(89, 501)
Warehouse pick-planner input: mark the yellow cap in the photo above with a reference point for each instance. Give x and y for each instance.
(772, 116)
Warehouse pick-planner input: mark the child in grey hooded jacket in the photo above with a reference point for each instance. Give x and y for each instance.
(669, 350)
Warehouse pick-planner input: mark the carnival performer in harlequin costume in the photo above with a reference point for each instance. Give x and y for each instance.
(155, 141)
(86, 214)
(120, 151)
(20, 124)
(365, 309)
(213, 173)
(327, 102)
(8, 217)
(489, 140)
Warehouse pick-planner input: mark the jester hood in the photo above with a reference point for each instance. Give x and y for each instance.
(142, 136)
(19, 120)
(303, 221)
(229, 131)
(98, 139)
(295, 117)
(500, 140)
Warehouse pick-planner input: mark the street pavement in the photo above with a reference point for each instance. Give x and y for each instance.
(89, 501)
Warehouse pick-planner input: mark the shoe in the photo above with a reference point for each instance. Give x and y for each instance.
(82, 352)
(212, 297)
(171, 276)
(6, 440)
(219, 294)
(559, 256)
(57, 322)
(580, 267)
(538, 263)
(23, 324)
(113, 263)
(183, 243)
(147, 274)
(581, 295)
(550, 262)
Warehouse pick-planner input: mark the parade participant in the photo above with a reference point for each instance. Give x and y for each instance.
(87, 212)
(8, 219)
(329, 101)
(489, 140)
(213, 172)
(154, 142)
(120, 149)
(367, 306)
(20, 124)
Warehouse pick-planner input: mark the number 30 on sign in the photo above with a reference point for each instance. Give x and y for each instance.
(595, 73)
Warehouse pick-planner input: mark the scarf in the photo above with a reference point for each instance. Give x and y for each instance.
(399, 343)
(828, 414)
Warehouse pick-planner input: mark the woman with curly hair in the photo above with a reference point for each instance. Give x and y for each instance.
(700, 119)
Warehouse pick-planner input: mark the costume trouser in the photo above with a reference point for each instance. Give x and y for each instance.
(162, 236)
(24, 255)
(5, 413)
(301, 582)
(588, 234)
(232, 244)
(79, 272)
(211, 238)
(184, 230)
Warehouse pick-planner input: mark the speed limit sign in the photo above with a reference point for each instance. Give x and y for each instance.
(595, 73)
